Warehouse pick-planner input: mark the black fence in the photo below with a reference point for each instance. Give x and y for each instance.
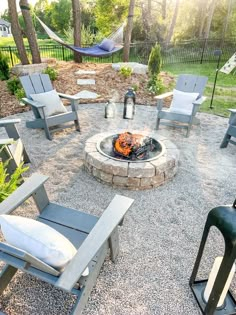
(183, 52)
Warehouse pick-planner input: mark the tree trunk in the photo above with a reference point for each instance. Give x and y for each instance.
(17, 32)
(209, 19)
(163, 9)
(77, 28)
(30, 31)
(146, 21)
(173, 22)
(226, 22)
(128, 32)
(201, 17)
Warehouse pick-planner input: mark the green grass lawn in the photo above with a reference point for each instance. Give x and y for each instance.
(8, 41)
(225, 91)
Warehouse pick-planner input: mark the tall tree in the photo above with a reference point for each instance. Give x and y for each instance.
(226, 21)
(209, 19)
(30, 31)
(128, 31)
(77, 27)
(201, 17)
(173, 22)
(17, 32)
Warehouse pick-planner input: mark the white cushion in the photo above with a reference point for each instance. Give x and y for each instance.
(52, 102)
(182, 102)
(38, 239)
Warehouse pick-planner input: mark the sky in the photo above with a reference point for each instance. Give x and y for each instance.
(4, 5)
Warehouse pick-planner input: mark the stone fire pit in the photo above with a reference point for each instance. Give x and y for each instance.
(136, 175)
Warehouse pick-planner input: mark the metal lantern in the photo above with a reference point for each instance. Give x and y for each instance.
(110, 110)
(213, 295)
(129, 104)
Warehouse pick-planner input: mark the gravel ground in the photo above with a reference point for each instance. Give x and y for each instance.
(162, 230)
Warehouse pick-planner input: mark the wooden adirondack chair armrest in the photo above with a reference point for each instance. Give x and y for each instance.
(6, 141)
(200, 101)
(6, 122)
(32, 103)
(68, 97)
(160, 99)
(163, 96)
(100, 233)
(22, 193)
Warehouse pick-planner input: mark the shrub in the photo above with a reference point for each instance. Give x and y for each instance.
(51, 72)
(13, 85)
(4, 68)
(20, 93)
(155, 85)
(155, 61)
(9, 184)
(126, 71)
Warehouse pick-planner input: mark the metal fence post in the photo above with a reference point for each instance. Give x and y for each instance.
(203, 50)
(63, 53)
(11, 56)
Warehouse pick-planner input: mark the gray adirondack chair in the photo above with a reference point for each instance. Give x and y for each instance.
(185, 83)
(12, 148)
(39, 83)
(231, 131)
(93, 237)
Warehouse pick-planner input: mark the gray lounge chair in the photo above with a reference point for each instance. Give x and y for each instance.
(185, 83)
(231, 131)
(92, 236)
(12, 148)
(40, 83)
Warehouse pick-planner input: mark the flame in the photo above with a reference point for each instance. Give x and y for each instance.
(126, 142)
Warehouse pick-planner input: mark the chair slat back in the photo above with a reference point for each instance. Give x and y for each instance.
(36, 83)
(33, 261)
(191, 83)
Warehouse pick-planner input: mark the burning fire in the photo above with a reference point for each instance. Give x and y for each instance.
(127, 142)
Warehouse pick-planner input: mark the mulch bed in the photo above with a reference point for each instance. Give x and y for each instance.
(109, 85)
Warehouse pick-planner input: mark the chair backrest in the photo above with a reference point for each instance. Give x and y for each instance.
(191, 83)
(23, 260)
(35, 84)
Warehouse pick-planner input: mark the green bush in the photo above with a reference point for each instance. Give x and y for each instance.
(51, 72)
(9, 184)
(155, 61)
(13, 85)
(126, 71)
(155, 85)
(4, 68)
(20, 93)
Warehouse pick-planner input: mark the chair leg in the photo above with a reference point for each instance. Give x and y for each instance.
(158, 123)
(5, 277)
(225, 141)
(47, 131)
(77, 126)
(114, 244)
(91, 281)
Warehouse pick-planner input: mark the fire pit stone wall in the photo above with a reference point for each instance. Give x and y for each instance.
(127, 174)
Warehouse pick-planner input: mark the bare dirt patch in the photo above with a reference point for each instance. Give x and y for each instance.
(109, 85)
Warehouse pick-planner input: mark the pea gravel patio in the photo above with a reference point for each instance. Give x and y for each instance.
(162, 231)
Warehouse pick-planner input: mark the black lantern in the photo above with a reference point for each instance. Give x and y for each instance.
(129, 104)
(110, 110)
(213, 295)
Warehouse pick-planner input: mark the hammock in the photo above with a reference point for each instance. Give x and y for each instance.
(93, 51)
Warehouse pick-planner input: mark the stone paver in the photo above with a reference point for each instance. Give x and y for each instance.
(86, 82)
(85, 72)
(87, 95)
